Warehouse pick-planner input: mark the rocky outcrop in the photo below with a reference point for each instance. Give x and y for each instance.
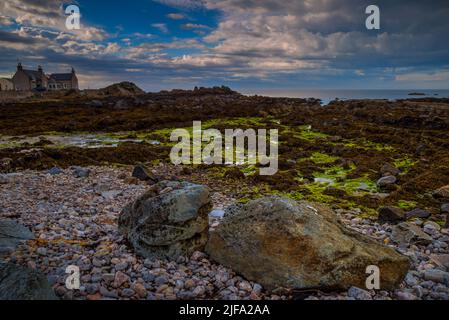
(279, 242)
(20, 283)
(11, 233)
(169, 220)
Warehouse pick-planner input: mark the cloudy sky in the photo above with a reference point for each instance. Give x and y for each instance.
(249, 45)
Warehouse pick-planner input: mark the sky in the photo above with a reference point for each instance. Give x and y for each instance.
(248, 45)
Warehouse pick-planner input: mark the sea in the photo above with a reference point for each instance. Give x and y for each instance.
(328, 95)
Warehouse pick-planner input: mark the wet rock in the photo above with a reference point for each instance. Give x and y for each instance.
(142, 173)
(386, 181)
(389, 170)
(431, 227)
(444, 208)
(20, 283)
(80, 172)
(11, 234)
(55, 171)
(408, 233)
(390, 214)
(278, 242)
(170, 224)
(442, 193)
(403, 295)
(359, 294)
(436, 275)
(417, 213)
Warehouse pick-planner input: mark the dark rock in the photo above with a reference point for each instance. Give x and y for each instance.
(442, 193)
(389, 170)
(417, 213)
(445, 208)
(55, 171)
(391, 214)
(80, 172)
(142, 173)
(234, 174)
(406, 234)
(386, 181)
(281, 243)
(168, 224)
(421, 150)
(11, 233)
(20, 283)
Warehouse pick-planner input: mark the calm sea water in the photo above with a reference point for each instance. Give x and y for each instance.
(328, 95)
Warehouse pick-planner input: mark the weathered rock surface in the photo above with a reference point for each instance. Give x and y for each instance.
(444, 208)
(169, 220)
(389, 170)
(442, 193)
(11, 233)
(391, 214)
(417, 213)
(407, 233)
(279, 242)
(386, 181)
(142, 173)
(20, 283)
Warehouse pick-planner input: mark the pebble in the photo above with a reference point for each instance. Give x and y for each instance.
(66, 207)
(359, 294)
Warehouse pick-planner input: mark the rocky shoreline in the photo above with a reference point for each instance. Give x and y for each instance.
(74, 218)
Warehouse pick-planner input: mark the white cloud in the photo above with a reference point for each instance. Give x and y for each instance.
(161, 27)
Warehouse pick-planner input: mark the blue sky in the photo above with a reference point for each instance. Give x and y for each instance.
(249, 45)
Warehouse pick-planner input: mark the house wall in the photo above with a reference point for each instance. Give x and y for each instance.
(6, 85)
(75, 82)
(22, 82)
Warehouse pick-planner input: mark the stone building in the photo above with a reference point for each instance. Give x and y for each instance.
(25, 80)
(6, 84)
(63, 81)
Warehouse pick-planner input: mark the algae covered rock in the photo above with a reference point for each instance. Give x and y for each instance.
(279, 242)
(169, 220)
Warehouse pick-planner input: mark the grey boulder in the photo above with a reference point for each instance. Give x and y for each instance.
(168, 221)
(20, 283)
(11, 234)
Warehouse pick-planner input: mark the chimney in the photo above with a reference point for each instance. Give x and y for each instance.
(39, 69)
(73, 70)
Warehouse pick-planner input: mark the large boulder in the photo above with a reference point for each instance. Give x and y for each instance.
(281, 243)
(20, 283)
(11, 234)
(169, 220)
